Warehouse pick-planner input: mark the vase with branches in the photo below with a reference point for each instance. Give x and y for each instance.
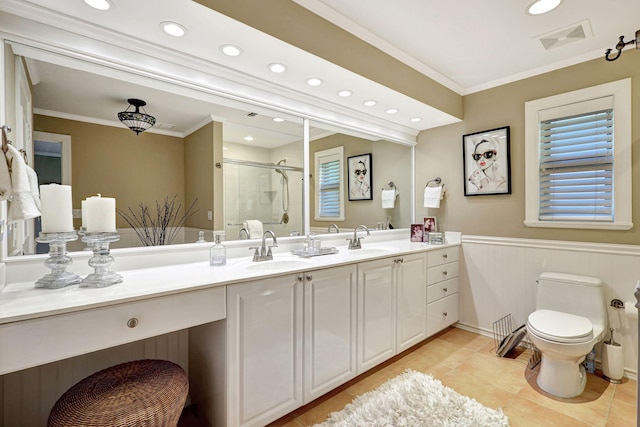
(162, 226)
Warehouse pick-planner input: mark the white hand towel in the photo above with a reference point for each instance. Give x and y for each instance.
(22, 203)
(388, 198)
(254, 228)
(432, 196)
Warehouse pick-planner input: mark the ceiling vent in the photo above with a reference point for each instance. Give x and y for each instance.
(252, 114)
(165, 126)
(565, 36)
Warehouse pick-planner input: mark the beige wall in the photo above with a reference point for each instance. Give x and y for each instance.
(116, 163)
(199, 160)
(389, 162)
(439, 153)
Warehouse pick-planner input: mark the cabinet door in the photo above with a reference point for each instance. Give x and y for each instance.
(330, 329)
(376, 313)
(264, 350)
(411, 291)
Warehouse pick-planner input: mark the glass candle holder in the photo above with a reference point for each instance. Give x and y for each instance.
(58, 261)
(101, 260)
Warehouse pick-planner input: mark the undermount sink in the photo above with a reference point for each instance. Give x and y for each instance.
(284, 264)
(369, 251)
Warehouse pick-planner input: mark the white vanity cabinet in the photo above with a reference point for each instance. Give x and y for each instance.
(290, 339)
(329, 329)
(442, 289)
(264, 350)
(391, 307)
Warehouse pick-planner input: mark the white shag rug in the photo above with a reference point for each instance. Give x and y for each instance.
(414, 399)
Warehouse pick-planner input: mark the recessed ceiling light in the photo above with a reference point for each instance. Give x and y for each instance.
(248, 138)
(278, 119)
(392, 110)
(345, 93)
(277, 67)
(370, 103)
(416, 119)
(173, 29)
(539, 7)
(99, 4)
(230, 50)
(314, 81)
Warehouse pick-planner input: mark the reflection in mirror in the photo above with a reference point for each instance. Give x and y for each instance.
(390, 162)
(175, 158)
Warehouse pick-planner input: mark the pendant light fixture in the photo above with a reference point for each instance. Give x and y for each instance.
(135, 120)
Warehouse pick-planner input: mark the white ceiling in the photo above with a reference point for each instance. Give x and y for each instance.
(466, 45)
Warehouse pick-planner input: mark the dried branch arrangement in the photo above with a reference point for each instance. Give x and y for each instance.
(161, 228)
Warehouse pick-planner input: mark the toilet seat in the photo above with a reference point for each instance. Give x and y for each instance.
(560, 327)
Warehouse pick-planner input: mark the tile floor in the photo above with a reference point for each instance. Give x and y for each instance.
(467, 363)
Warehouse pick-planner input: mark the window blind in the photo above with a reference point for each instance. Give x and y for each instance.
(576, 167)
(329, 189)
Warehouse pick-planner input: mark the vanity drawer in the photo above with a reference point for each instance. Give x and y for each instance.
(442, 272)
(442, 313)
(35, 342)
(442, 289)
(443, 256)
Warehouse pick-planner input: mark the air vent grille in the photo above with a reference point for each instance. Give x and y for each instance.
(565, 36)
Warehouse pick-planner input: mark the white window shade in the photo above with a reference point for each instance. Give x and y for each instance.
(329, 185)
(576, 168)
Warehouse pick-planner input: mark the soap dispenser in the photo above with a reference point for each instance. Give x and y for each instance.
(217, 253)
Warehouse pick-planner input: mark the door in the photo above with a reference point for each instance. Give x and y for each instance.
(411, 300)
(376, 313)
(264, 350)
(330, 329)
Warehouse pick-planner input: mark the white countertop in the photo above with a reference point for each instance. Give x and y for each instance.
(22, 301)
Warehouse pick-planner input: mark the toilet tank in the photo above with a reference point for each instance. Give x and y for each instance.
(573, 294)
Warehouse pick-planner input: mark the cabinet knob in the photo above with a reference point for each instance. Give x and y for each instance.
(445, 290)
(444, 256)
(444, 315)
(300, 278)
(132, 323)
(309, 277)
(401, 259)
(444, 273)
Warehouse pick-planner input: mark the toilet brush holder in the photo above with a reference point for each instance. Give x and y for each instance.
(612, 362)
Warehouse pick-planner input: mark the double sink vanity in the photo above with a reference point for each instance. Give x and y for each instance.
(264, 337)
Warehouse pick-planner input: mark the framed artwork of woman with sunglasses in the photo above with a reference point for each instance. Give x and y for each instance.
(487, 162)
(359, 170)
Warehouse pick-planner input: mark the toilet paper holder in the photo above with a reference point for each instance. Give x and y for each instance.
(616, 303)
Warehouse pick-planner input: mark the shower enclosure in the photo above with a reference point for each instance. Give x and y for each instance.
(268, 192)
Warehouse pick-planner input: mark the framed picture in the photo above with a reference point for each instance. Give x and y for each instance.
(359, 177)
(430, 225)
(417, 232)
(487, 162)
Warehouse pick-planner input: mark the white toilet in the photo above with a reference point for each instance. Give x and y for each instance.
(570, 318)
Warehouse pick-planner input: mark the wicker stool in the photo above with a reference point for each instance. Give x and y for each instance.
(142, 393)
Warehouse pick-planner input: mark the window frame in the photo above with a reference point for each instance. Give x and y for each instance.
(622, 174)
(331, 154)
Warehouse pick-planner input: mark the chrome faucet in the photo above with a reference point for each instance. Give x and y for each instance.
(262, 253)
(243, 230)
(333, 226)
(355, 242)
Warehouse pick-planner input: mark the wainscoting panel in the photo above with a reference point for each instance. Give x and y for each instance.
(27, 396)
(498, 277)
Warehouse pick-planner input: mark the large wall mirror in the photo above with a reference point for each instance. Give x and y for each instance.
(238, 164)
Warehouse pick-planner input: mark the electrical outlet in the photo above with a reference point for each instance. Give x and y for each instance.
(210, 215)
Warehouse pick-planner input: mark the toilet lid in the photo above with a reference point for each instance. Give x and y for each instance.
(560, 327)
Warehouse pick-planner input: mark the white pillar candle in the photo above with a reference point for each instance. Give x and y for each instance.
(101, 214)
(57, 210)
(83, 205)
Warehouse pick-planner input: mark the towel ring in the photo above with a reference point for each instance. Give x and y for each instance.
(436, 180)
